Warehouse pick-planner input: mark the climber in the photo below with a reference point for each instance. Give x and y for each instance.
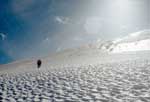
(39, 63)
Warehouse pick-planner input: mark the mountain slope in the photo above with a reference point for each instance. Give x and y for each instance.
(91, 73)
(138, 41)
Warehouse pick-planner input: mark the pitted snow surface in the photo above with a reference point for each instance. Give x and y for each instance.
(112, 82)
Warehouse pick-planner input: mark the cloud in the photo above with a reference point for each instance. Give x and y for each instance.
(3, 36)
(77, 39)
(62, 20)
(58, 49)
(93, 25)
(45, 43)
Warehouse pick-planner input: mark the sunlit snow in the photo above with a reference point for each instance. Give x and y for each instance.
(85, 74)
(138, 41)
(133, 46)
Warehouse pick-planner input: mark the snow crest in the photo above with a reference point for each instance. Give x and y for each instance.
(138, 41)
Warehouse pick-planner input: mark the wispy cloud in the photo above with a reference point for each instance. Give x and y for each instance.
(58, 49)
(62, 20)
(3, 36)
(77, 39)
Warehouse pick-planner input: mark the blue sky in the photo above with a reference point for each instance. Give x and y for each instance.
(33, 28)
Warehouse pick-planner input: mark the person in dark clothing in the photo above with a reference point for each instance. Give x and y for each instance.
(39, 63)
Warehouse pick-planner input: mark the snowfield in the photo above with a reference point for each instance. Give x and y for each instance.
(110, 71)
(111, 81)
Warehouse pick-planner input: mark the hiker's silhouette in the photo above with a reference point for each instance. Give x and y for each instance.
(39, 63)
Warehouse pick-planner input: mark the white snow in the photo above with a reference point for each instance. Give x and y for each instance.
(138, 41)
(122, 80)
(85, 74)
(141, 45)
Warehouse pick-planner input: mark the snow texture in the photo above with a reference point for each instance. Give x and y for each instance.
(138, 41)
(119, 81)
(86, 74)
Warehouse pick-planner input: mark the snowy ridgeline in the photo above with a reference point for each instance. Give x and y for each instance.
(127, 81)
